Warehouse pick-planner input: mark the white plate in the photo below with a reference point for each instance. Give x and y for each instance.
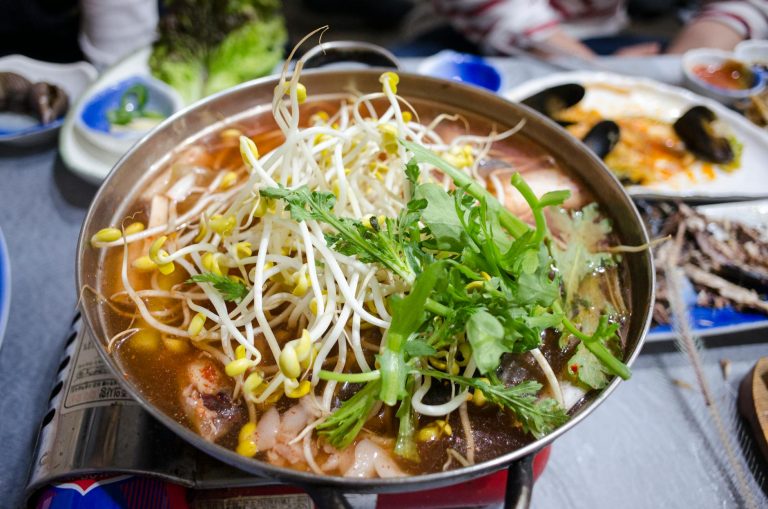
(665, 102)
(72, 78)
(83, 157)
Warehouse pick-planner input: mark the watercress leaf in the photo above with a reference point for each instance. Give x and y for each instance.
(419, 348)
(537, 416)
(440, 216)
(587, 369)
(545, 320)
(417, 205)
(519, 336)
(520, 255)
(230, 289)
(302, 203)
(538, 288)
(513, 224)
(412, 172)
(485, 334)
(582, 233)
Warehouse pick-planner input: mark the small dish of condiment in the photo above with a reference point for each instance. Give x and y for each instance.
(720, 75)
(730, 75)
(117, 116)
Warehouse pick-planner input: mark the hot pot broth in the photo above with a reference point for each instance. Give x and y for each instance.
(191, 376)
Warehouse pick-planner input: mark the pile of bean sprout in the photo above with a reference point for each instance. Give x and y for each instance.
(296, 283)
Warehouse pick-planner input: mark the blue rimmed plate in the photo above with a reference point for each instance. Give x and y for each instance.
(22, 130)
(718, 322)
(5, 286)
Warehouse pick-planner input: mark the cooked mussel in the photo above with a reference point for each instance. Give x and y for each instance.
(696, 128)
(553, 100)
(602, 137)
(44, 101)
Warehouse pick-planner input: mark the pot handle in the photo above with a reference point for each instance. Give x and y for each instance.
(325, 497)
(349, 51)
(519, 484)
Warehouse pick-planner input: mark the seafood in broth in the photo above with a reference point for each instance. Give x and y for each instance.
(365, 287)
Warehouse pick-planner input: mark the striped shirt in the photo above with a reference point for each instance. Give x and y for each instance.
(503, 25)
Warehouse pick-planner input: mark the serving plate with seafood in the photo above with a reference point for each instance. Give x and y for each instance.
(662, 141)
(722, 250)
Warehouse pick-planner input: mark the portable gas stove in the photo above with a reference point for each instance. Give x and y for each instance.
(97, 447)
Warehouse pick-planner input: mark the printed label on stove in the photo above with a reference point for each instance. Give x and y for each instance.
(91, 384)
(294, 501)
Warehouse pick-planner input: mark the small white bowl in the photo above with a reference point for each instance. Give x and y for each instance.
(92, 116)
(752, 52)
(706, 56)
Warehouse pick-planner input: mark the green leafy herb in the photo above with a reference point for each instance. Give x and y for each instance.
(587, 369)
(596, 344)
(440, 216)
(230, 289)
(343, 425)
(476, 272)
(513, 224)
(485, 334)
(536, 416)
(370, 245)
(132, 105)
(582, 232)
(419, 348)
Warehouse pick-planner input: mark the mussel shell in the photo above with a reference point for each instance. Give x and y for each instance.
(553, 100)
(602, 137)
(695, 129)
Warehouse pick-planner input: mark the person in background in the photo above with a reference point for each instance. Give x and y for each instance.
(558, 27)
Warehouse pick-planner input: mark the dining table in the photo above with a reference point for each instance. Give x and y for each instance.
(651, 444)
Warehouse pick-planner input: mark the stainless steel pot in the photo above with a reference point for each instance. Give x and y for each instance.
(148, 156)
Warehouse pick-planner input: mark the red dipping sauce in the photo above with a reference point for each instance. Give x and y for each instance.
(730, 75)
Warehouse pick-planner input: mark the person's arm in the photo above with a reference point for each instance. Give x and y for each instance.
(558, 43)
(506, 26)
(705, 33)
(723, 25)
